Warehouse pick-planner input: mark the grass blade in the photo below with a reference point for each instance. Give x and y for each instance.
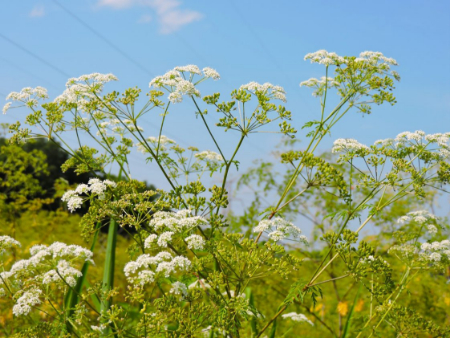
(251, 302)
(347, 324)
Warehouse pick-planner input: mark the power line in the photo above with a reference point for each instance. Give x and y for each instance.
(106, 40)
(27, 72)
(260, 42)
(35, 56)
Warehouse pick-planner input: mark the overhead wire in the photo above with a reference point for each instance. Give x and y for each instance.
(105, 39)
(120, 51)
(264, 48)
(34, 55)
(27, 72)
(115, 47)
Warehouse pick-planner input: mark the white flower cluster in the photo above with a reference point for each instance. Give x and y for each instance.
(324, 58)
(25, 302)
(279, 229)
(297, 317)
(95, 187)
(7, 242)
(193, 69)
(162, 263)
(41, 253)
(47, 265)
(421, 217)
(176, 221)
(28, 96)
(439, 138)
(179, 288)
(164, 238)
(175, 82)
(412, 139)
(410, 136)
(98, 328)
(347, 144)
(368, 259)
(82, 89)
(209, 155)
(211, 73)
(163, 142)
(199, 283)
(313, 82)
(94, 78)
(367, 58)
(276, 92)
(434, 251)
(384, 142)
(195, 242)
(406, 251)
(320, 85)
(63, 270)
(376, 59)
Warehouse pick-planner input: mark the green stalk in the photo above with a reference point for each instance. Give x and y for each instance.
(350, 315)
(71, 298)
(108, 271)
(274, 329)
(251, 301)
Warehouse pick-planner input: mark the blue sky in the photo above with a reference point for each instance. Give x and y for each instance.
(262, 41)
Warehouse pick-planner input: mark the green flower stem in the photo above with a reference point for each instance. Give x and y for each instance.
(108, 270)
(161, 128)
(209, 131)
(72, 297)
(228, 165)
(401, 287)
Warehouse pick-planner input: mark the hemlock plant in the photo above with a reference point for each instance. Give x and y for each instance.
(194, 271)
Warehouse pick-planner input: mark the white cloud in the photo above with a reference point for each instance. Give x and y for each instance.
(146, 18)
(170, 17)
(37, 11)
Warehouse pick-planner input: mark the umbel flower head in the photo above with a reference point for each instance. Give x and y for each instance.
(28, 96)
(95, 187)
(82, 89)
(48, 266)
(279, 229)
(7, 242)
(297, 317)
(179, 81)
(276, 92)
